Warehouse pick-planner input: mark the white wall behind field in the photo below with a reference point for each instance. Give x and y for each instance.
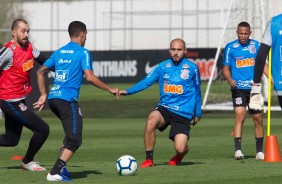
(139, 24)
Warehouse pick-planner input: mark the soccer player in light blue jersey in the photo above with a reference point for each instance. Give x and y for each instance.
(71, 62)
(179, 105)
(238, 68)
(272, 38)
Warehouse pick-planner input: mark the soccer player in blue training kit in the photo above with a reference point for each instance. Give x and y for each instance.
(238, 68)
(71, 62)
(272, 38)
(180, 101)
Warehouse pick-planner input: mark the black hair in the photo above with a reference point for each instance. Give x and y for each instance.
(75, 28)
(244, 24)
(16, 23)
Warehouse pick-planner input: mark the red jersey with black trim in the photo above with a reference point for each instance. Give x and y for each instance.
(15, 65)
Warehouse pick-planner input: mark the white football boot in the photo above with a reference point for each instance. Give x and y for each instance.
(238, 155)
(260, 156)
(57, 177)
(33, 166)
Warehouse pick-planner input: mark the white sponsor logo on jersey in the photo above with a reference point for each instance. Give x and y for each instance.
(67, 51)
(166, 76)
(168, 65)
(185, 65)
(235, 45)
(64, 61)
(62, 75)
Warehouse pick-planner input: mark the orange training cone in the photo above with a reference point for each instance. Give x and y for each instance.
(272, 151)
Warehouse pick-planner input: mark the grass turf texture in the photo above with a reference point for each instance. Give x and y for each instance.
(114, 128)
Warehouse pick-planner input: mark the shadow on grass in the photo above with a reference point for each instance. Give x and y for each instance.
(83, 174)
(181, 164)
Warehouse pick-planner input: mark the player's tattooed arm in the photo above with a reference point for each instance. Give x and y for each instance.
(43, 70)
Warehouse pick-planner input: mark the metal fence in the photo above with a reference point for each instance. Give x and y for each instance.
(129, 24)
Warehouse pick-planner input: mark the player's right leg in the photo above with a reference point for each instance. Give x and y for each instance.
(155, 120)
(240, 114)
(240, 100)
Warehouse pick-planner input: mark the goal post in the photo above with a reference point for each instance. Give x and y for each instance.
(217, 94)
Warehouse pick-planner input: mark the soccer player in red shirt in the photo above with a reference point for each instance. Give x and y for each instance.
(16, 60)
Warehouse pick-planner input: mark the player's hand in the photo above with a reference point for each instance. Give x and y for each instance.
(256, 100)
(115, 92)
(123, 92)
(196, 120)
(40, 103)
(233, 84)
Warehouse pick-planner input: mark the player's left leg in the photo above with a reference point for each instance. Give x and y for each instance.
(179, 133)
(181, 148)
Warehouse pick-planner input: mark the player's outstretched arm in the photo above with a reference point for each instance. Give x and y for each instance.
(90, 77)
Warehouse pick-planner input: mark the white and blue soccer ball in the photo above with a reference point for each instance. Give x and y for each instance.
(126, 165)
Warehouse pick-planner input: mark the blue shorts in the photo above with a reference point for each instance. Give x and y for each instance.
(179, 124)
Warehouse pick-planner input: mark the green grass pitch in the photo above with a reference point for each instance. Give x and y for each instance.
(114, 128)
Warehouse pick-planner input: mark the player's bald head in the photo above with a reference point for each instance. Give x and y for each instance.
(179, 41)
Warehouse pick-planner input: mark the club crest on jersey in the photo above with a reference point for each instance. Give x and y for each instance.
(184, 74)
(235, 45)
(23, 107)
(185, 65)
(13, 46)
(238, 101)
(168, 65)
(252, 49)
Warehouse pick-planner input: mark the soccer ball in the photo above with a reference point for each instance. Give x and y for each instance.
(126, 165)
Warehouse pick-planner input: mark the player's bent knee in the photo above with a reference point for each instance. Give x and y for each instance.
(9, 141)
(72, 144)
(181, 150)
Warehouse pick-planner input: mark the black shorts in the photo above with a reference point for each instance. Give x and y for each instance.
(70, 115)
(241, 98)
(179, 124)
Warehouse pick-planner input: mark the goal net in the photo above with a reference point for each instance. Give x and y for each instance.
(217, 94)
